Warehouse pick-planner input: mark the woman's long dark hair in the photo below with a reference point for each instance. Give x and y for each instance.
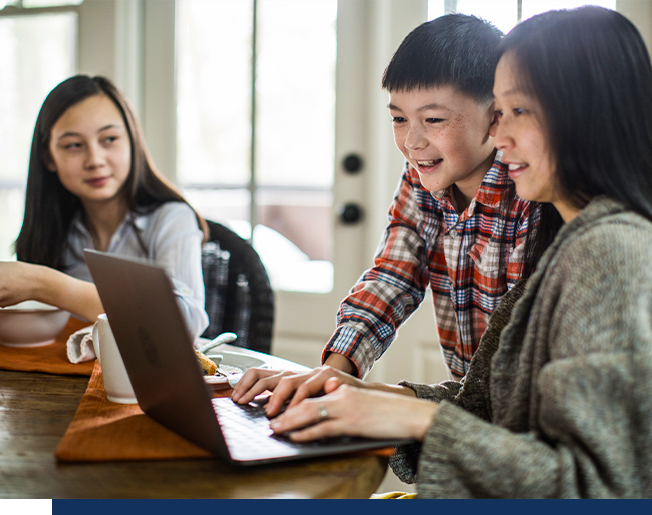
(590, 71)
(49, 207)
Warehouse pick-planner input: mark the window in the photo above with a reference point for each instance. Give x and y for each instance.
(255, 127)
(39, 51)
(507, 13)
(32, 4)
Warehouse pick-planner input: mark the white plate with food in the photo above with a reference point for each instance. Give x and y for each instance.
(230, 367)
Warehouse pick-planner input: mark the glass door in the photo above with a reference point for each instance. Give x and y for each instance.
(256, 128)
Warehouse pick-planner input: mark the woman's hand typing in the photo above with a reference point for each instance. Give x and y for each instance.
(354, 411)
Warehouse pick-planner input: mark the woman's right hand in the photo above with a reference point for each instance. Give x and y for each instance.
(356, 412)
(288, 385)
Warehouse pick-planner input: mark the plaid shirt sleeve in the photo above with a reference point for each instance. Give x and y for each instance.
(388, 293)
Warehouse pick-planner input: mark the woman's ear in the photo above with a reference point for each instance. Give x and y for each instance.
(49, 162)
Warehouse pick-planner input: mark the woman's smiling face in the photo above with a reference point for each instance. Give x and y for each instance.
(522, 136)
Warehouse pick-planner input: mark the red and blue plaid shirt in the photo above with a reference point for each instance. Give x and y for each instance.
(428, 243)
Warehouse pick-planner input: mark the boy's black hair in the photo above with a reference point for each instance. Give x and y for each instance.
(453, 50)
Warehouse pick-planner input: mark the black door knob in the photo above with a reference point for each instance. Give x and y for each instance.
(350, 214)
(352, 163)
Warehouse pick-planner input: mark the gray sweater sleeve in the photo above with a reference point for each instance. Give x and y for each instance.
(600, 450)
(590, 369)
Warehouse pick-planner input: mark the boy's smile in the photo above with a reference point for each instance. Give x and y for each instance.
(444, 135)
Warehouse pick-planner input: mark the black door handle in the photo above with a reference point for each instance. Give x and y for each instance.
(350, 214)
(352, 163)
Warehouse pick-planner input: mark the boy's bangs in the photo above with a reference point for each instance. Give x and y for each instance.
(454, 50)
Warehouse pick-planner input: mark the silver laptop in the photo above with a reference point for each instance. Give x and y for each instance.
(157, 351)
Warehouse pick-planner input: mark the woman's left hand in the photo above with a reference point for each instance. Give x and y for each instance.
(353, 411)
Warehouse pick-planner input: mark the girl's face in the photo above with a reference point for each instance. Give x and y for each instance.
(90, 150)
(521, 135)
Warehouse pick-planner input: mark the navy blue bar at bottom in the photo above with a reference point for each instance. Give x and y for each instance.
(357, 507)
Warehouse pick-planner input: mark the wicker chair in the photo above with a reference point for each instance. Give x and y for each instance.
(239, 297)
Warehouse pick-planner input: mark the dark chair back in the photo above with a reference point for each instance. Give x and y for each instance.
(239, 297)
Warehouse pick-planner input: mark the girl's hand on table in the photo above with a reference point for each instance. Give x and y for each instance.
(20, 281)
(16, 282)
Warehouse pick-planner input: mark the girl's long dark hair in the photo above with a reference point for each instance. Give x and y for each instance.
(49, 207)
(590, 71)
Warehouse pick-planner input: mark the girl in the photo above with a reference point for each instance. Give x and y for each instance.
(556, 402)
(91, 184)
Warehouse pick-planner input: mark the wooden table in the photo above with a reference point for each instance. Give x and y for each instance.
(36, 409)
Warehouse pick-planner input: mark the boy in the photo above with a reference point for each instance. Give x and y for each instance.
(455, 223)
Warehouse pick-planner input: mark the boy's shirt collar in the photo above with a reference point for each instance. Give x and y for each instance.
(494, 183)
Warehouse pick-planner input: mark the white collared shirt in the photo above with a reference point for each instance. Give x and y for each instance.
(171, 237)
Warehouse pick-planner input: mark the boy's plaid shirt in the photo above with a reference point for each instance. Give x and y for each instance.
(458, 255)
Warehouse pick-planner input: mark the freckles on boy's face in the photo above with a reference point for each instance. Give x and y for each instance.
(444, 135)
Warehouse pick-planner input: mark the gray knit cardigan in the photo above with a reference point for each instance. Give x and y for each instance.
(558, 404)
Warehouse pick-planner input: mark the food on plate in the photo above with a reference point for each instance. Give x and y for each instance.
(208, 365)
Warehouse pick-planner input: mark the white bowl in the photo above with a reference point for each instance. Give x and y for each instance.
(31, 324)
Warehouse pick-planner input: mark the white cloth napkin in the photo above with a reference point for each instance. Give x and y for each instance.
(79, 346)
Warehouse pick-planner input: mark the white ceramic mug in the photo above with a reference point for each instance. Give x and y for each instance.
(116, 381)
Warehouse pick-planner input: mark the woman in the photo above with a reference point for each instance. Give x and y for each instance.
(91, 184)
(557, 400)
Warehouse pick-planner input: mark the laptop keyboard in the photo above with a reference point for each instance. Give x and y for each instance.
(247, 426)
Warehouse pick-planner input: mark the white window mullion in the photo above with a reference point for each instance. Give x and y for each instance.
(159, 84)
(129, 51)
